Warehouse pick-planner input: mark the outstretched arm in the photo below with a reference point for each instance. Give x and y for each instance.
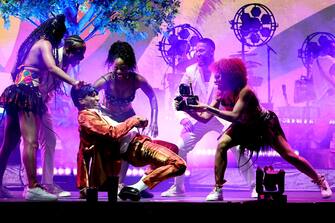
(148, 90)
(49, 61)
(232, 116)
(92, 123)
(200, 113)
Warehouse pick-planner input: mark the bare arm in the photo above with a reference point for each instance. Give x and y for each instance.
(234, 115)
(92, 123)
(49, 61)
(201, 114)
(231, 116)
(148, 90)
(98, 84)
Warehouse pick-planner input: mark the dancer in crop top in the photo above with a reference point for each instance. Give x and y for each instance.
(23, 100)
(120, 86)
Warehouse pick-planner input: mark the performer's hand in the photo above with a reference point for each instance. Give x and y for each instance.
(177, 103)
(152, 130)
(143, 122)
(79, 84)
(187, 124)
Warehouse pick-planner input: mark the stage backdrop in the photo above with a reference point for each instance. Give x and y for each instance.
(296, 19)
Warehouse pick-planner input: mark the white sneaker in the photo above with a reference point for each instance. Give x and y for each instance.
(254, 193)
(173, 191)
(38, 194)
(56, 190)
(326, 192)
(215, 195)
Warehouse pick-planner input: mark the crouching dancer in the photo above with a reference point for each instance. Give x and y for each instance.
(103, 142)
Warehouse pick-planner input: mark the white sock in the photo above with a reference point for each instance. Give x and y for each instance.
(140, 185)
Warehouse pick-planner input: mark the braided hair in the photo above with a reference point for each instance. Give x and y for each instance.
(74, 43)
(124, 51)
(52, 30)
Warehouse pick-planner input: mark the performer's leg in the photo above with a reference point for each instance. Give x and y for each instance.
(29, 126)
(123, 171)
(285, 151)
(11, 139)
(47, 138)
(220, 167)
(186, 143)
(167, 162)
(246, 169)
(82, 177)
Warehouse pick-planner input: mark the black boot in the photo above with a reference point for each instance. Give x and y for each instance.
(92, 195)
(112, 188)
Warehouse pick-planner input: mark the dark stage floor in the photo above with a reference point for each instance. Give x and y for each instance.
(304, 202)
(230, 196)
(237, 204)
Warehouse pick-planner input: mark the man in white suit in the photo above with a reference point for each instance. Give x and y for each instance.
(192, 131)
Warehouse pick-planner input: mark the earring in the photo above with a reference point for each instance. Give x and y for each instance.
(113, 75)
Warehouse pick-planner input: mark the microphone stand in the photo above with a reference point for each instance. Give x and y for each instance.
(269, 49)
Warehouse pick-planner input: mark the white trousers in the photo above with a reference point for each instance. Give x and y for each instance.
(188, 141)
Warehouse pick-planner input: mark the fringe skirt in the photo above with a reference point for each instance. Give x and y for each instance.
(257, 135)
(26, 98)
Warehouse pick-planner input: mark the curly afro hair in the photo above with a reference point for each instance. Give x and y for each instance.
(232, 71)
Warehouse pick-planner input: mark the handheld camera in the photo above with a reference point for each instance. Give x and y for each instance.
(186, 97)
